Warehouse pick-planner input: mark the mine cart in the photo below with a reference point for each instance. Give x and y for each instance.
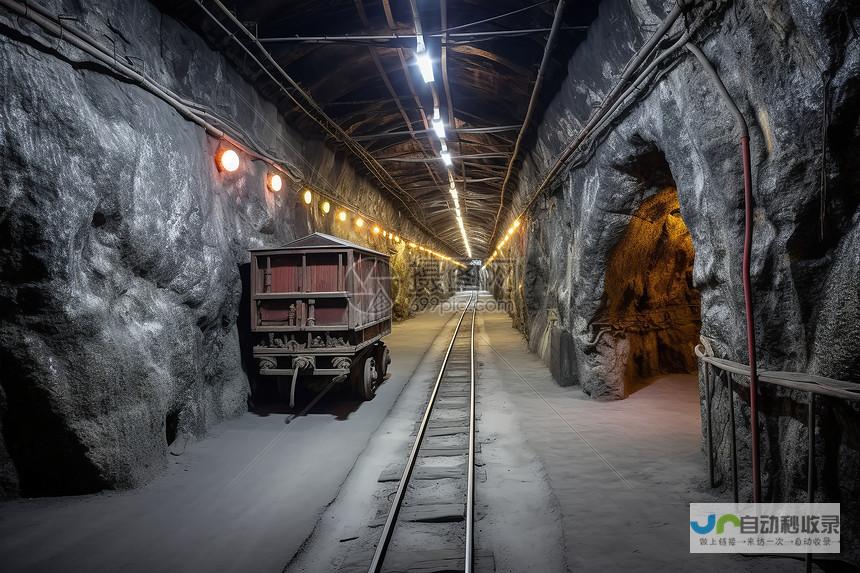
(319, 309)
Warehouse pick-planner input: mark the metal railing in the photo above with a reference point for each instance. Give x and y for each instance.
(712, 368)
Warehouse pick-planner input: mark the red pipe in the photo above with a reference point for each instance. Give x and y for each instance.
(748, 229)
(748, 308)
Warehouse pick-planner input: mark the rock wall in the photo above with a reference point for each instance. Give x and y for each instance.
(122, 246)
(793, 67)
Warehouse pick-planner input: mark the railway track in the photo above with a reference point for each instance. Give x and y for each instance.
(430, 524)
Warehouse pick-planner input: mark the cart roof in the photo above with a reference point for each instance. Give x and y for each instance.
(321, 241)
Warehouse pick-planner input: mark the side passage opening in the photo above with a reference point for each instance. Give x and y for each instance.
(649, 295)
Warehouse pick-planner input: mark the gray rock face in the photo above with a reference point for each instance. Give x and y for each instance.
(121, 246)
(781, 60)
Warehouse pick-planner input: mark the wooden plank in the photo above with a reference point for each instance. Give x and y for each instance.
(369, 324)
(453, 393)
(434, 512)
(458, 402)
(323, 350)
(451, 447)
(394, 472)
(255, 287)
(330, 327)
(438, 561)
(277, 295)
(446, 431)
(303, 276)
(350, 286)
(447, 453)
(299, 250)
(457, 373)
(461, 421)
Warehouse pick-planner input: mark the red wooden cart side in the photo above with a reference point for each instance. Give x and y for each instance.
(320, 306)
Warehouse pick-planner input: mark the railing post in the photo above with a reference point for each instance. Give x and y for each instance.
(810, 470)
(708, 423)
(730, 385)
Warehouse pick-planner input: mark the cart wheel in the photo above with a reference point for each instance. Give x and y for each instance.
(364, 379)
(383, 359)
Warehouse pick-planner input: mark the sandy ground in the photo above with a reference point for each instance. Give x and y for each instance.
(243, 499)
(622, 473)
(349, 529)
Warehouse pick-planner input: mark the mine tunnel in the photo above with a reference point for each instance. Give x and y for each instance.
(429, 286)
(649, 297)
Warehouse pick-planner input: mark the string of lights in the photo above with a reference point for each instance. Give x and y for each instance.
(228, 160)
(501, 244)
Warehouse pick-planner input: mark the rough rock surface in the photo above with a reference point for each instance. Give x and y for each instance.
(122, 247)
(781, 60)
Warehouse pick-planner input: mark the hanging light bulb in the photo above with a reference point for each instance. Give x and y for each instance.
(517, 224)
(425, 63)
(342, 215)
(376, 229)
(227, 160)
(275, 182)
(325, 207)
(438, 126)
(308, 197)
(359, 222)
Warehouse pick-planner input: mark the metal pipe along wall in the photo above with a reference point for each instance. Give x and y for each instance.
(747, 282)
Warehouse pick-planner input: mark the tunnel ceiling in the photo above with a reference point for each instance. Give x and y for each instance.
(374, 91)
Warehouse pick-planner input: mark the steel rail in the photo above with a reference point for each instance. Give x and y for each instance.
(388, 528)
(470, 483)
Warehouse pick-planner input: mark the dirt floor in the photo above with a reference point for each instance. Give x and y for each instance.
(243, 499)
(564, 483)
(621, 473)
